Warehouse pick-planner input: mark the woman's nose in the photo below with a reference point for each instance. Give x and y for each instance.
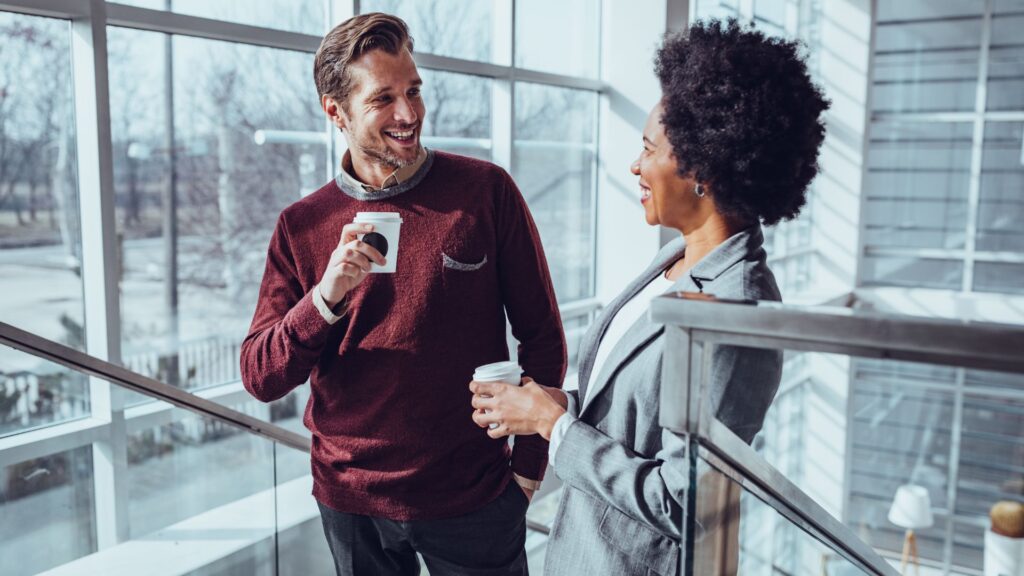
(635, 167)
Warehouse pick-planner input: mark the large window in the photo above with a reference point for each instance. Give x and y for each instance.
(945, 166)
(200, 177)
(214, 128)
(459, 117)
(553, 164)
(40, 237)
(458, 28)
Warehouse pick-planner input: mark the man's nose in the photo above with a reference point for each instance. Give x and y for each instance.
(405, 112)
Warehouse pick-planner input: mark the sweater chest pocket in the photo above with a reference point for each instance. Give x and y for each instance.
(464, 253)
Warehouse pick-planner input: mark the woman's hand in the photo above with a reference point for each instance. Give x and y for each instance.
(523, 410)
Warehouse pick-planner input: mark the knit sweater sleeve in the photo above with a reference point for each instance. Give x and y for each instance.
(287, 333)
(532, 311)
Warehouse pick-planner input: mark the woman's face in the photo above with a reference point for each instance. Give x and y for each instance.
(668, 198)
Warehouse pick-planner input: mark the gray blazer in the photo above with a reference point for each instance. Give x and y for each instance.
(625, 478)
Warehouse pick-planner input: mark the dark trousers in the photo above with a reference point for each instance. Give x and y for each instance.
(487, 542)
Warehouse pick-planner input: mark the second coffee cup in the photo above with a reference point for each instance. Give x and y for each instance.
(507, 372)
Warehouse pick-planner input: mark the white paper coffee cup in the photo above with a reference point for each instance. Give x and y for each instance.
(507, 372)
(386, 227)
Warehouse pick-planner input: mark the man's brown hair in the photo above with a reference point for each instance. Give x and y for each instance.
(350, 40)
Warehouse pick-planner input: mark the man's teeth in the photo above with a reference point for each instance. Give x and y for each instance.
(400, 135)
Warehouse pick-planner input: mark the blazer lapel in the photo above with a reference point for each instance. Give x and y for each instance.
(700, 278)
(588, 347)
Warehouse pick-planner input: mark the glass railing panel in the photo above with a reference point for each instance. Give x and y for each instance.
(156, 484)
(851, 431)
(906, 430)
(192, 465)
(738, 532)
(47, 504)
(302, 547)
(35, 393)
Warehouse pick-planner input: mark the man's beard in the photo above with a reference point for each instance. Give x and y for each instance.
(384, 156)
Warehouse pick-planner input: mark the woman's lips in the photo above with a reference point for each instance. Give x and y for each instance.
(645, 194)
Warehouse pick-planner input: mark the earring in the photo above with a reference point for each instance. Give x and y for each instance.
(698, 190)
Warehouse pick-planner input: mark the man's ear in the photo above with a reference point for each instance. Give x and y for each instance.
(332, 108)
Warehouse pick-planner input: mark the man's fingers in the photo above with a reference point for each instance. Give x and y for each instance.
(353, 256)
(482, 402)
(482, 419)
(351, 270)
(367, 251)
(485, 388)
(350, 231)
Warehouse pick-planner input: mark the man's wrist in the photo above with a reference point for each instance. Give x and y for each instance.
(331, 314)
(330, 304)
(526, 483)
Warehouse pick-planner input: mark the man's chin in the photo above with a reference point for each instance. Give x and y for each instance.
(405, 156)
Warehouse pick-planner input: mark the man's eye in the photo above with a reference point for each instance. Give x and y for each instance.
(414, 92)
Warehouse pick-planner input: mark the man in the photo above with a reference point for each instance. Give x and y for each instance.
(398, 465)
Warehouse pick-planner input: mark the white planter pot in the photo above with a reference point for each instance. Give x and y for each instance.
(1003, 556)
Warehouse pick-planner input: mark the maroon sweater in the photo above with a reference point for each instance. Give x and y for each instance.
(390, 406)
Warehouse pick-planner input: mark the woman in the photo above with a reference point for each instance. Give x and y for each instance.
(732, 144)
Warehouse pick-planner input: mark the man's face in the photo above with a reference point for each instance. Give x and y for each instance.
(384, 113)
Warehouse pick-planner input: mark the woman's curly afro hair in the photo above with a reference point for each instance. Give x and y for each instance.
(742, 115)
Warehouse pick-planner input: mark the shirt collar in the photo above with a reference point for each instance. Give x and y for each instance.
(397, 177)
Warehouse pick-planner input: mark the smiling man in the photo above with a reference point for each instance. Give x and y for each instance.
(399, 467)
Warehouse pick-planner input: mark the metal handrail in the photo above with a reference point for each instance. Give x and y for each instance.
(81, 362)
(695, 320)
(962, 343)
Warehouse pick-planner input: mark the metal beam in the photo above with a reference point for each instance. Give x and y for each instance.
(208, 28)
(64, 9)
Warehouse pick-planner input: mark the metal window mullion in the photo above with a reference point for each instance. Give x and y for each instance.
(945, 117)
(953, 475)
(153, 20)
(503, 87)
(100, 265)
(51, 439)
(745, 11)
(64, 9)
(977, 150)
(865, 150)
(851, 384)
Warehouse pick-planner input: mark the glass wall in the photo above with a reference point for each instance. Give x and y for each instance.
(40, 234)
(214, 128)
(554, 160)
(197, 196)
(945, 165)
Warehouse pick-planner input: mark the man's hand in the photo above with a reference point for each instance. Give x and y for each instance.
(528, 492)
(527, 409)
(349, 264)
